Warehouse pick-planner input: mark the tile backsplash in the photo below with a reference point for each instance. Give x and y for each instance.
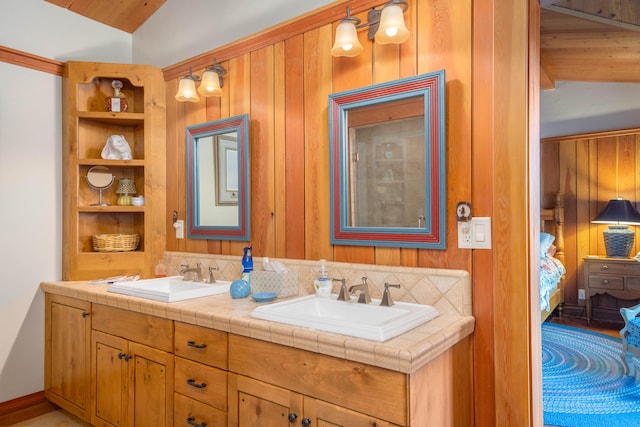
(447, 290)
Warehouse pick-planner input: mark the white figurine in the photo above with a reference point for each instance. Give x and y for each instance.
(117, 148)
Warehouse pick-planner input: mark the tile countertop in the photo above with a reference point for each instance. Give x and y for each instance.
(405, 353)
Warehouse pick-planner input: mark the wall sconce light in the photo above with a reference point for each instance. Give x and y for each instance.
(210, 84)
(386, 25)
(618, 239)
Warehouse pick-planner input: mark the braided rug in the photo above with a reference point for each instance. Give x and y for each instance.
(583, 380)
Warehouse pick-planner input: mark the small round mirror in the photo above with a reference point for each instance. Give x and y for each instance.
(99, 178)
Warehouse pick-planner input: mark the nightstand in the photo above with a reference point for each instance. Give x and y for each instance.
(618, 277)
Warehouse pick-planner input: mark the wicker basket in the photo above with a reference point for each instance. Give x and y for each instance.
(115, 242)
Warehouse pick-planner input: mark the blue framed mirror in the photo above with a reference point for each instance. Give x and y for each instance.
(387, 164)
(217, 168)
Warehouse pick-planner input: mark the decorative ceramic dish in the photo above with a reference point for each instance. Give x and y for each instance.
(264, 296)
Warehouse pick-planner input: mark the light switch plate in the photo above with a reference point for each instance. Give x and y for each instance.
(475, 234)
(179, 226)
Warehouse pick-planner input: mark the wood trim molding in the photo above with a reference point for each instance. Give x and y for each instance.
(27, 60)
(602, 134)
(24, 408)
(284, 31)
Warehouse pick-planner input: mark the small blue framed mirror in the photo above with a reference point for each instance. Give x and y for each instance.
(387, 164)
(218, 179)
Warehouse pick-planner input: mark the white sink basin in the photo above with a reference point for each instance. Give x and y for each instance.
(369, 321)
(169, 289)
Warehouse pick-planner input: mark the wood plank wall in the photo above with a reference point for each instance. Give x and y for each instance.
(485, 48)
(284, 87)
(590, 169)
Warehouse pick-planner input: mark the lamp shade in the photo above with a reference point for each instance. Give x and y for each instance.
(126, 186)
(392, 28)
(346, 43)
(187, 90)
(618, 211)
(618, 239)
(210, 85)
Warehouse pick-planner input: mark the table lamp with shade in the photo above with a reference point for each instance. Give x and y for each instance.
(126, 188)
(618, 238)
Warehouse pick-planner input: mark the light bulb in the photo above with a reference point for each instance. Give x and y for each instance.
(392, 28)
(346, 43)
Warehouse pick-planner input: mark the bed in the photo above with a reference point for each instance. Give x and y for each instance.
(552, 268)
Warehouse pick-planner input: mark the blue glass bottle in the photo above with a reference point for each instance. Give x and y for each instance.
(247, 265)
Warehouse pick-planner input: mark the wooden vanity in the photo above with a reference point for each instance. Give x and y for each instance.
(115, 360)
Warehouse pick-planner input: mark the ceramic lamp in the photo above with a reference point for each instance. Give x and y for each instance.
(618, 238)
(126, 188)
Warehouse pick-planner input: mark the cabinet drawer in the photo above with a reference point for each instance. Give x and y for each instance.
(613, 267)
(606, 282)
(201, 382)
(142, 328)
(188, 412)
(632, 284)
(203, 345)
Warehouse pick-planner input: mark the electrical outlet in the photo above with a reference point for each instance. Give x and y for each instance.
(475, 233)
(581, 294)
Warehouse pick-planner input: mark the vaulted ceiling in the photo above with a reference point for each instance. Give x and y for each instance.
(125, 15)
(592, 41)
(580, 40)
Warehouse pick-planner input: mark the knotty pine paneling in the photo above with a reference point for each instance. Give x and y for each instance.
(590, 170)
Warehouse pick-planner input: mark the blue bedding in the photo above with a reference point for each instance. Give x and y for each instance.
(551, 270)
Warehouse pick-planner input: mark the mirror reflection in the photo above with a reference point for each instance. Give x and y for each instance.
(386, 147)
(387, 161)
(218, 179)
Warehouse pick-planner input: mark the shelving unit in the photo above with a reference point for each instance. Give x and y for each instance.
(86, 126)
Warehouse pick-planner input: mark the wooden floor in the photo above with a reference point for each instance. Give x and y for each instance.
(608, 328)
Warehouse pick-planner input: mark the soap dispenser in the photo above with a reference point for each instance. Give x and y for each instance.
(247, 265)
(322, 284)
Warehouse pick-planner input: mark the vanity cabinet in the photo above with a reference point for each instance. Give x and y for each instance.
(86, 126)
(275, 381)
(132, 369)
(67, 353)
(115, 367)
(258, 403)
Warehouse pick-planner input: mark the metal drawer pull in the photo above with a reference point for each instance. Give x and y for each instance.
(194, 345)
(605, 281)
(193, 383)
(605, 267)
(192, 421)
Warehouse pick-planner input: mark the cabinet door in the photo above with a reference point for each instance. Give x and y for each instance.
(67, 358)
(323, 414)
(151, 387)
(109, 366)
(254, 403)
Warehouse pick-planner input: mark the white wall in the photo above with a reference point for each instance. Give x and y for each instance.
(30, 174)
(187, 28)
(582, 107)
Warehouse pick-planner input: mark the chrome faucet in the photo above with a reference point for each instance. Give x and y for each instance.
(364, 297)
(210, 278)
(386, 296)
(344, 293)
(196, 270)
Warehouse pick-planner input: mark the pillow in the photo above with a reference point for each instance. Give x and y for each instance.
(546, 242)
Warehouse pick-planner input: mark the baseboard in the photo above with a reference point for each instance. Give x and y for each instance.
(25, 407)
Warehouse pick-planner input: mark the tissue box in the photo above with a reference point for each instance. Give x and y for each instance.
(285, 283)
